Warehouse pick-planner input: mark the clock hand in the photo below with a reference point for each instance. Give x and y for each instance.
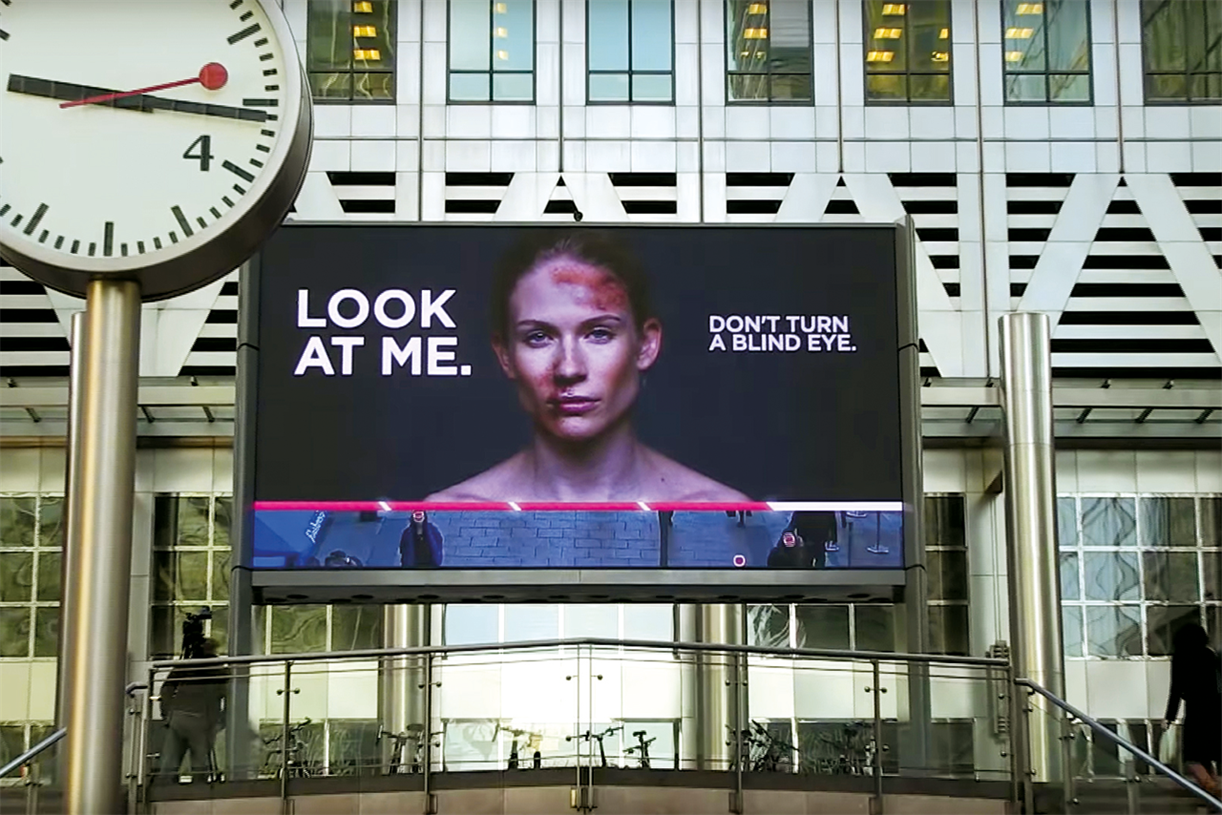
(212, 76)
(142, 102)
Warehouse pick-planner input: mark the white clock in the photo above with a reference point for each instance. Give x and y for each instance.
(155, 140)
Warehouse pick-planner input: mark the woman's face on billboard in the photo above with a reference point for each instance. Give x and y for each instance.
(574, 349)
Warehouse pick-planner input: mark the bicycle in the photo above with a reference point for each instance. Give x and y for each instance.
(589, 735)
(277, 760)
(641, 748)
(406, 750)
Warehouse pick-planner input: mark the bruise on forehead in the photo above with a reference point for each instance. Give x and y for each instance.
(605, 289)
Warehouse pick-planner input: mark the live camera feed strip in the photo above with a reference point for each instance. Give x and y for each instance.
(475, 397)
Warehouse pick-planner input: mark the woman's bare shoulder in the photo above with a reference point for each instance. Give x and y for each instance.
(494, 484)
(672, 481)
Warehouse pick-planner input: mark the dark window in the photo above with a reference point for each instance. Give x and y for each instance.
(350, 50)
(492, 51)
(1182, 50)
(1047, 51)
(908, 52)
(630, 50)
(768, 51)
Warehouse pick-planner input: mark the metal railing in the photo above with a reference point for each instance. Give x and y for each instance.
(1099, 729)
(29, 755)
(591, 703)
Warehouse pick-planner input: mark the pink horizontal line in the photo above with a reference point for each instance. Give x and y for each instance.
(526, 506)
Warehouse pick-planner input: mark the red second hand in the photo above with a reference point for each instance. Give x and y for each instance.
(212, 76)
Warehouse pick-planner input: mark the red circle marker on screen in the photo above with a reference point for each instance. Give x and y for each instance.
(213, 76)
(740, 561)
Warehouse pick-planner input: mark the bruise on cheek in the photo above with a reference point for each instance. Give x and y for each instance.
(605, 289)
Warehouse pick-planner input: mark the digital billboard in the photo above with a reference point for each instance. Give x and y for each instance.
(433, 401)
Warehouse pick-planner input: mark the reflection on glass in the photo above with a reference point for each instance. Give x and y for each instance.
(16, 577)
(1211, 570)
(350, 49)
(470, 624)
(1163, 622)
(768, 50)
(46, 632)
(947, 574)
(1046, 51)
(1211, 522)
(948, 633)
(15, 632)
(1067, 522)
(1071, 630)
(768, 626)
(823, 627)
(591, 620)
(1171, 576)
(49, 566)
(1111, 575)
(1182, 50)
(17, 521)
(298, 629)
(492, 50)
(649, 622)
(908, 51)
(874, 627)
(1109, 522)
(356, 628)
(1168, 522)
(531, 622)
(1069, 576)
(1113, 631)
(51, 522)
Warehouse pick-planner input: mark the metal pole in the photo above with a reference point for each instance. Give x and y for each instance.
(72, 507)
(878, 736)
(284, 736)
(430, 801)
(101, 545)
(403, 681)
(719, 623)
(1030, 488)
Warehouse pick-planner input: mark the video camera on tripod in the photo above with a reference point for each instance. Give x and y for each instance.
(193, 633)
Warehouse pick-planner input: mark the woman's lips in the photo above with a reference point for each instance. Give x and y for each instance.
(573, 405)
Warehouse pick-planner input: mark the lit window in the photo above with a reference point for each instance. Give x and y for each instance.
(880, 56)
(350, 50)
(888, 33)
(1047, 56)
(492, 51)
(630, 50)
(890, 9)
(768, 49)
(910, 61)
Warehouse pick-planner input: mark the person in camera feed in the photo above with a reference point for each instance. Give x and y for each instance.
(817, 529)
(420, 546)
(790, 552)
(1196, 679)
(574, 330)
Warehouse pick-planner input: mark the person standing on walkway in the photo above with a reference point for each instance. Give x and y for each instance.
(1196, 679)
(192, 704)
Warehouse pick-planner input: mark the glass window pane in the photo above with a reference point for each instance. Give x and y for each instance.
(470, 27)
(947, 575)
(51, 522)
(49, 567)
(181, 576)
(887, 87)
(12, 741)
(470, 624)
(1066, 88)
(1171, 576)
(531, 622)
(165, 630)
(1166, 87)
(355, 628)
(15, 632)
(1163, 622)
(589, 620)
(16, 521)
(220, 576)
(649, 622)
(46, 632)
(1111, 575)
(1213, 622)
(1168, 522)
(746, 33)
(607, 35)
(1071, 630)
(875, 628)
(1211, 521)
(768, 626)
(652, 88)
(1109, 522)
(1114, 631)
(513, 87)
(1206, 86)
(1163, 34)
(944, 521)
(1069, 576)
(513, 24)
(218, 627)
(823, 626)
(928, 35)
(1023, 36)
(930, 88)
(886, 25)
(16, 577)
(299, 629)
(469, 87)
(652, 43)
(1068, 35)
(1067, 522)
(948, 633)
(331, 86)
(222, 519)
(1211, 566)
(608, 87)
(791, 87)
(748, 86)
(193, 521)
(1026, 88)
(789, 48)
(329, 37)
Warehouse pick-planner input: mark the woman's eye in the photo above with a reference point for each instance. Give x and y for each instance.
(536, 338)
(602, 334)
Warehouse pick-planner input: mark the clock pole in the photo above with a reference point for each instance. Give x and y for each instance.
(100, 548)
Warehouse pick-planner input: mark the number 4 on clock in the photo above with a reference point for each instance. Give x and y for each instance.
(204, 156)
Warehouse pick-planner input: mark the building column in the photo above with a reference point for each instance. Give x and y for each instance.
(1030, 491)
(402, 680)
(714, 686)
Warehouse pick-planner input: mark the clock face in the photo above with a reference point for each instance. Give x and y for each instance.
(145, 137)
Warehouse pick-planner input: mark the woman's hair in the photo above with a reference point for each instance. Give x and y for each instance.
(595, 247)
(1190, 637)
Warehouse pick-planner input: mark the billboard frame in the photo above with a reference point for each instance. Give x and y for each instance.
(566, 584)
